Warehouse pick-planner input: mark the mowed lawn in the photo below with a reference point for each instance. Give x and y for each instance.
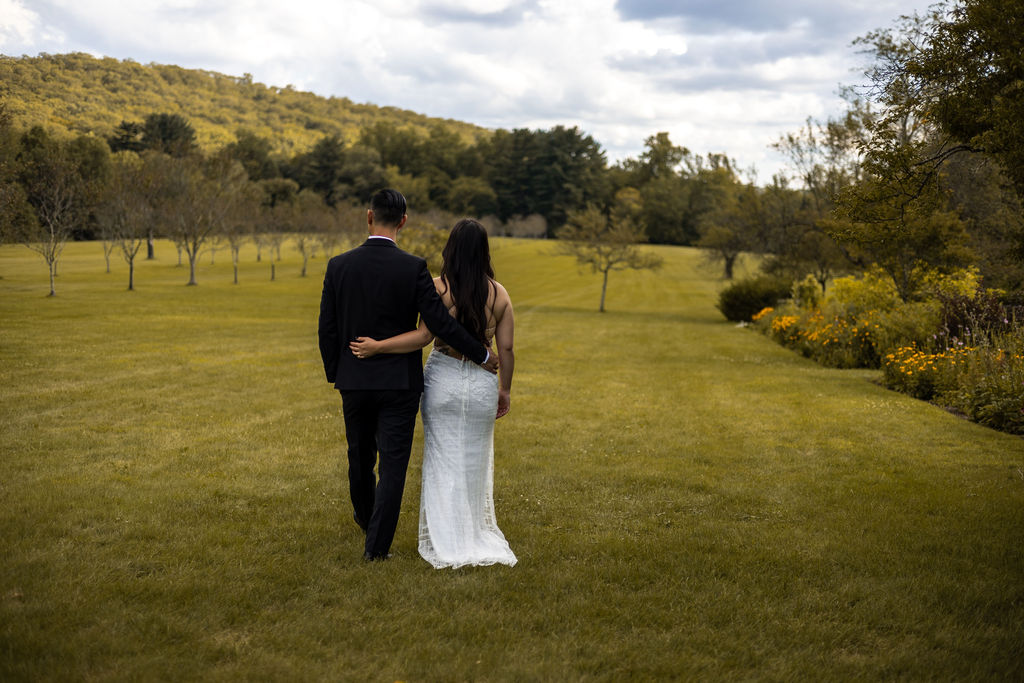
(687, 499)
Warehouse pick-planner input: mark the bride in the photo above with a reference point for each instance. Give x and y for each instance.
(457, 521)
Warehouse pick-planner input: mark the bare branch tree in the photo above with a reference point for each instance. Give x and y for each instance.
(605, 244)
(60, 181)
(198, 199)
(238, 226)
(126, 210)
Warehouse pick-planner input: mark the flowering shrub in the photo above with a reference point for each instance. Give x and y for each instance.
(806, 293)
(921, 374)
(990, 385)
(959, 350)
(872, 291)
(831, 340)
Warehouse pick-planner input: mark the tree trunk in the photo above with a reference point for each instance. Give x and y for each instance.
(271, 272)
(730, 261)
(236, 273)
(53, 274)
(305, 260)
(149, 247)
(192, 269)
(604, 288)
(131, 274)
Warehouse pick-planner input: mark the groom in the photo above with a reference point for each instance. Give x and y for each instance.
(377, 290)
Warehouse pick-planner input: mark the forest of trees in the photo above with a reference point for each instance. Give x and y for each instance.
(920, 174)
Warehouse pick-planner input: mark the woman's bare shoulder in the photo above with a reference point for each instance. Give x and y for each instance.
(499, 289)
(501, 297)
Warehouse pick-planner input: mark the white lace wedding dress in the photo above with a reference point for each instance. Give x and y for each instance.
(457, 522)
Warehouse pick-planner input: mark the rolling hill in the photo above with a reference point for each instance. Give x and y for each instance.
(79, 93)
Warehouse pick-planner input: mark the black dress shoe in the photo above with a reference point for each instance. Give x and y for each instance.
(362, 525)
(370, 557)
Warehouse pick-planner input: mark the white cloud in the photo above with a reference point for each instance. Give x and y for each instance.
(21, 29)
(718, 76)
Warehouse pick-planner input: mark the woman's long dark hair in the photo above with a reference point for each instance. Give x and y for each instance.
(467, 272)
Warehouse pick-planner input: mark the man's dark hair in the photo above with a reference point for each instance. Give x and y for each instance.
(388, 207)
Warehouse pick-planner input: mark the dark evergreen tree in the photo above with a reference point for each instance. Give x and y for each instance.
(169, 133)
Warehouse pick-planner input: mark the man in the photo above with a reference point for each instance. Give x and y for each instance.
(377, 290)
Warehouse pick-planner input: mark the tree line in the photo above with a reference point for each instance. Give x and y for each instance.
(920, 174)
(150, 178)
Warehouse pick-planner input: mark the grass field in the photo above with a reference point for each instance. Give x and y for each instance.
(687, 499)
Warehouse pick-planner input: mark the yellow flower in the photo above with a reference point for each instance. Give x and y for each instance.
(783, 323)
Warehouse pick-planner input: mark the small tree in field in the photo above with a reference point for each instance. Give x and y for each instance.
(199, 197)
(606, 244)
(275, 216)
(309, 220)
(238, 226)
(345, 223)
(125, 211)
(61, 181)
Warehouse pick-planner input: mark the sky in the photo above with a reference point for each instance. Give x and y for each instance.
(721, 76)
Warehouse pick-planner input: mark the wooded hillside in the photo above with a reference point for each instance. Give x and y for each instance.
(85, 94)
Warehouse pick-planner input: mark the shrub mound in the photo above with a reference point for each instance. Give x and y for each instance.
(741, 300)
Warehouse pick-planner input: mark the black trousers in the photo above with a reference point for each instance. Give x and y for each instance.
(378, 422)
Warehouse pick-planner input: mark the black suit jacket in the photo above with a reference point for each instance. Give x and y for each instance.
(377, 290)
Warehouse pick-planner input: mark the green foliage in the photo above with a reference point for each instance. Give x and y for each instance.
(986, 200)
(670, 214)
(254, 153)
(127, 137)
(552, 173)
(168, 133)
(83, 94)
(734, 224)
(906, 235)
(743, 299)
(972, 65)
(806, 293)
(472, 196)
(947, 86)
(17, 216)
(871, 291)
(677, 200)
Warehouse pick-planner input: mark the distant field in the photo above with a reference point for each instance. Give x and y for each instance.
(687, 499)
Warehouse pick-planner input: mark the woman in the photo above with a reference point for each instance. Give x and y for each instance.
(457, 522)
